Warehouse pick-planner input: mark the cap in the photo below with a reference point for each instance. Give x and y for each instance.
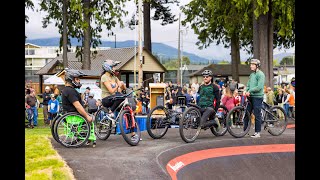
(88, 88)
(47, 87)
(52, 95)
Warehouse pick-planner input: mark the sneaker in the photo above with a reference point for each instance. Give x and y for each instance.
(88, 143)
(238, 126)
(134, 137)
(256, 135)
(94, 144)
(233, 126)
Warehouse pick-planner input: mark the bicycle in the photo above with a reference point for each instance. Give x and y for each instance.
(273, 117)
(160, 118)
(125, 119)
(190, 127)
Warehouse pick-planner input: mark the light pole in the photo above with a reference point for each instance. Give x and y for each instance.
(115, 39)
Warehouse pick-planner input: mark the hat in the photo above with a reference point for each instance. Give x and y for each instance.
(88, 88)
(52, 95)
(47, 87)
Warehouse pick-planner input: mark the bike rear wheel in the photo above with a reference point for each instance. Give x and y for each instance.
(72, 130)
(53, 125)
(158, 122)
(277, 121)
(103, 125)
(129, 128)
(189, 124)
(223, 129)
(235, 122)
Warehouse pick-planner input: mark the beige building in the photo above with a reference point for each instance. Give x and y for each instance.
(126, 56)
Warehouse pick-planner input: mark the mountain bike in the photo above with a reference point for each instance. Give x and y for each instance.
(160, 118)
(104, 123)
(273, 118)
(190, 127)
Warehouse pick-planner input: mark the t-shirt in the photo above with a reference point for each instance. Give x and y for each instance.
(31, 100)
(92, 103)
(207, 95)
(70, 95)
(107, 77)
(53, 106)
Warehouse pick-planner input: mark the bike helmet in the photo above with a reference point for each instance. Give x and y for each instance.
(207, 73)
(108, 65)
(71, 74)
(256, 62)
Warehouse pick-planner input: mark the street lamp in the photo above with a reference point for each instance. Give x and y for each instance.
(115, 39)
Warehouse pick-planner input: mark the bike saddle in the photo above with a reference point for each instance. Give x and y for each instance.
(194, 105)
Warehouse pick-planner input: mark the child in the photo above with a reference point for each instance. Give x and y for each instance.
(53, 108)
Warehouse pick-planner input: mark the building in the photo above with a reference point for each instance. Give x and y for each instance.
(171, 75)
(126, 56)
(222, 71)
(283, 73)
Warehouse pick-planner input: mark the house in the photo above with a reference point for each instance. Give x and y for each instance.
(284, 73)
(222, 71)
(171, 75)
(126, 56)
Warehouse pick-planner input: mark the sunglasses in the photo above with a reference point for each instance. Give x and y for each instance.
(206, 76)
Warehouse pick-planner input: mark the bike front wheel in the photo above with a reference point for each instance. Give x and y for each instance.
(276, 120)
(129, 128)
(236, 122)
(223, 129)
(189, 124)
(102, 125)
(158, 122)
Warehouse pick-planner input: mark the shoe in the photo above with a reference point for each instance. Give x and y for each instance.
(270, 125)
(134, 137)
(94, 144)
(88, 143)
(256, 135)
(233, 126)
(238, 126)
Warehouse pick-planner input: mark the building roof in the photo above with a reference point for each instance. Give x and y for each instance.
(195, 67)
(123, 55)
(223, 70)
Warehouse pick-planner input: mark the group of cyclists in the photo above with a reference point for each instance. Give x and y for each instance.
(209, 93)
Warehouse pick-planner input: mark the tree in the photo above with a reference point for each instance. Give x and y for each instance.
(288, 60)
(221, 21)
(162, 12)
(83, 13)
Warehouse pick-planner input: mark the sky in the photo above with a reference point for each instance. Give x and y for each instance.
(159, 34)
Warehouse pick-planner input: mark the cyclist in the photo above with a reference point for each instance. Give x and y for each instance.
(209, 92)
(254, 92)
(71, 99)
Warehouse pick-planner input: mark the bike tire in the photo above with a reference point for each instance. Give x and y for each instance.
(123, 128)
(195, 123)
(149, 124)
(272, 130)
(53, 124)
(229, 122)
(222, 123)
(97, 124)
(88, 129)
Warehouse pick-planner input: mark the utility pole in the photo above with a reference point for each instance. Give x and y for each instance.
(181, 71)
(135, 53)
(140, 42)
(179, 60)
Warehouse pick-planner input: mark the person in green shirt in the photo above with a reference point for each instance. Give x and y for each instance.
(254, 93)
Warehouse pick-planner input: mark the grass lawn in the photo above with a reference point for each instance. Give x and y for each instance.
(41, 160)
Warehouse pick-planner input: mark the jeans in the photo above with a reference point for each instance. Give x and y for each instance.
(35, 115)
(286, 108)
(256, 102)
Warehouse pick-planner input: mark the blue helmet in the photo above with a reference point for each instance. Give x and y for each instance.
(108, 65)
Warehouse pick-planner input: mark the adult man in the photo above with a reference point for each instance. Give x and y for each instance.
(254, 93)
(71, 99)
(208, 93)
(46, 98)
(32, 105)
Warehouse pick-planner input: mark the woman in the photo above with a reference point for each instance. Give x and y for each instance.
(110, 85)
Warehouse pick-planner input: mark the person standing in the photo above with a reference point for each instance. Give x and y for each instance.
(53, 108)
(195, 85)
(31, 104)
(254, 93)
(46, 98)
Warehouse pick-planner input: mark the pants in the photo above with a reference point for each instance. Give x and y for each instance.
(91, 111)
(35, 115)
(52, 115)
(206, 113)
(286, 108)
(256, 103)
(108, 102)
(45, 114)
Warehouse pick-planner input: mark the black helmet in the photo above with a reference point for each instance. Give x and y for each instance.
(71, 74)
(108, 64)
(256, 62)
(207, 73)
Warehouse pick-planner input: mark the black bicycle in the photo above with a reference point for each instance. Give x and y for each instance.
(190, 127)
(125, 119)
(273, 118)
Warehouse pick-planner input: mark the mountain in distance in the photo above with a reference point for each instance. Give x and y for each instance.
(280, 56)
(163, 51)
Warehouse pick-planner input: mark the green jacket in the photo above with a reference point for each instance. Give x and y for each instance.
(256, 83)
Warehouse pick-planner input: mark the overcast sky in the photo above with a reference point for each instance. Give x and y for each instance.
(163, 34)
